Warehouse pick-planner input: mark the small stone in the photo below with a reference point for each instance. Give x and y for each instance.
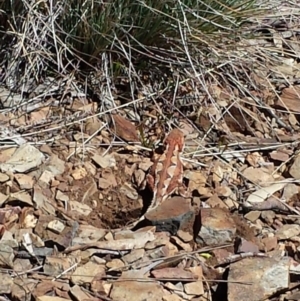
(217, 172)
(266, 275)
(6, 284)
(134, 255)
(289, 191)
(18, 291)
(46, 176)
(139, 177)
(194, 288)
(3, 198)
(196, 180)
(287, 231)
(136, 290)
(55, 165)
(259, 176)
(171, 215)
(61, 196)
(172, 297)
(268, 216)
(279, 156)
(80, 208)
(110, 177)
(246, 246)
(56, 226)
(90, 167)
(54, 183)
(174, 273)
(78, 294)
(204, 191)
(6, 255)
(3, 177)
(295, 168)
(162, 251)
(223, 191)
(252, 216)
(115, 264)
(104, 161)
(145, 164)
(103, 183)
(217, 226)
(184, 246)
(25, 158)
(129, 191)
(184, 236)
(214, 201)
(270, 243)
(79, 173)
(85, 274)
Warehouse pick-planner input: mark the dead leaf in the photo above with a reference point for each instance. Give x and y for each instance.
(92, 125)
(125, 129)
(290, 99)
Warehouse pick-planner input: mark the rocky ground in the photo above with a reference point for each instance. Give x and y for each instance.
(71, 174)
(63, 207)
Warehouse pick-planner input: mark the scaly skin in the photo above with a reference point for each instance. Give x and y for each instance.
(165, 176)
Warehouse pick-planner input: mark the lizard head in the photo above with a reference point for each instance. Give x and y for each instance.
(175, 137)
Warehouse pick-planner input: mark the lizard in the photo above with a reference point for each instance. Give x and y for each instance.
(166, 174)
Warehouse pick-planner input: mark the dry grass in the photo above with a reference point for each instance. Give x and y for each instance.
(179, 56)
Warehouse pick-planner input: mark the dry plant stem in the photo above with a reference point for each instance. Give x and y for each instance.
(87, 140)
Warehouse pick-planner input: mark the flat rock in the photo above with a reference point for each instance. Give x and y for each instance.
(287, 231)
(104, 161)
(217, 226)
(289, 191)
(134, 255)
(194, 288)
(3, 177)
(115, 263)
(171, 215)
(85, 273)
(269, 243)
(196, 180)
(51, 298)
(174, 273)
(252, 216)
(6, 284)
(104, 184)
(79, 294)
(88, 234)
(46, 177)
(129, 191)
(172, 297)
(137, 291)
(26, 157)
(295, 168)
(258, 175)
(268, 216)
(245, 246)
(80, 208)
(266, 275)
(215, 201)
(18, 291)
(184, 236)
(56, 226)
(6, 255)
